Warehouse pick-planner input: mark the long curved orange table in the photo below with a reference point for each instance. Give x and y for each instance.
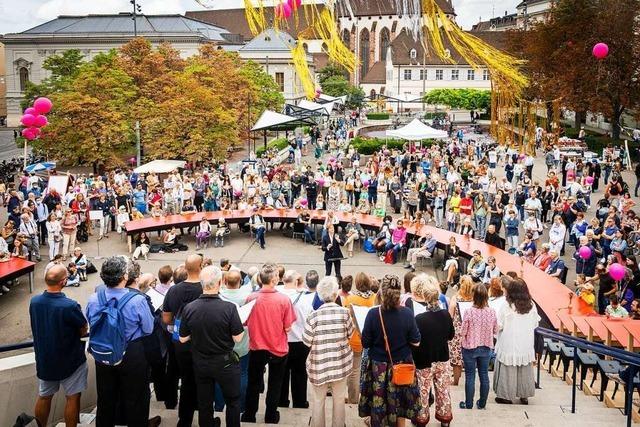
(557, 302)
(16, 267)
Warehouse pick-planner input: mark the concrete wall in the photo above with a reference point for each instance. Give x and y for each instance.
(19, 389)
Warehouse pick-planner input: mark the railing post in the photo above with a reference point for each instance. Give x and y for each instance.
(573, 380)
(628, 398)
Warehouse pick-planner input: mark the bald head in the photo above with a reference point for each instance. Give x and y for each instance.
(232, 279)
(145, 281)
(193, 265)
(55, 276)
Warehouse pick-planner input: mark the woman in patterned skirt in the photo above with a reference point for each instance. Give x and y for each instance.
(386, 403)
(465, 294)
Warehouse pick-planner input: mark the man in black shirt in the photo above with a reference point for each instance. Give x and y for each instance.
(176, 299)
(213, 326)
(492, 238)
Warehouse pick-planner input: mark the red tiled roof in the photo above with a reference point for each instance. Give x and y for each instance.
(376, 74)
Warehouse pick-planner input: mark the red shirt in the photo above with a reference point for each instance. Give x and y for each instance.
(271, 315)
(466, 205)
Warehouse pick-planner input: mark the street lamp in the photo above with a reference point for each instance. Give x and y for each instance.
(136, 9)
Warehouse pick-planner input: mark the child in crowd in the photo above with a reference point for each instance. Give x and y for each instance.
(512, 231)
(586, 293)
(73, 278)
(451, 220)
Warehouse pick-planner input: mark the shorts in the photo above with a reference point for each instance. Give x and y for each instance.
(73, 384)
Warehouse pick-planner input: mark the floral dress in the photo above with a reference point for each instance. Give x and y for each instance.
(455, 345)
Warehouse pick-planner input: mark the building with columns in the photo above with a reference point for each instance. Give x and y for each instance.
(93, 34)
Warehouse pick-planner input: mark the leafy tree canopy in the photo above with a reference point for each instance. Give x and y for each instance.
(467, 99)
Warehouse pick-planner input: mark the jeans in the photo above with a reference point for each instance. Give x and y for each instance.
(512, 242)
(481, 227)
(220, 371)
(472, 358)
(309, 235)
(258, 359)
(244, 379)
(439, 214)
(260, 236)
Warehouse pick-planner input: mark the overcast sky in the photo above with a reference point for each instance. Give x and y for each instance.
(17, 16)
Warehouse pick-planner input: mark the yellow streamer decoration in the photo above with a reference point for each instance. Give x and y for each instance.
(299, 58)
(256, 20)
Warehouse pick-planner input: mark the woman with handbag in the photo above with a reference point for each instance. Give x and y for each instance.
(389, 390)
(54, 235)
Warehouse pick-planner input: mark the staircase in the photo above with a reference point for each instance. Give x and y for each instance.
(551, 407)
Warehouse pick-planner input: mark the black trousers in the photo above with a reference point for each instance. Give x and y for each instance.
(226, 373)
(166, 384)
(258, 359)
(42, 229)
(188, 394)
(296, 371)
(123, 390)
(327, 268)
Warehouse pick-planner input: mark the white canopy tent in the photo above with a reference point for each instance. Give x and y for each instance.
(314, 106)
(160, 166)
(416, 130)
(336, 100)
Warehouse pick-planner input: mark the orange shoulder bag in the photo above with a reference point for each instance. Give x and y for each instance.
(402, 374)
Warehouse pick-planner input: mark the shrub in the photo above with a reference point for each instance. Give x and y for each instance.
(436, 115)
(378, 116)
(368, 146)
(278, 144)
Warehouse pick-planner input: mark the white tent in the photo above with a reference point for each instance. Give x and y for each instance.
(416, 130)
(314, 106)
(338, 100)
(160, 166)
(272, 120)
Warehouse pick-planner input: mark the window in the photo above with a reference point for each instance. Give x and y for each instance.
(384, 43)
(413, 54)
(280, 81)
(24, 78)
(485, 75)
(439, 75)
(364, 53)
(423, 74)
(407, 74)
(455, 74)
(471, 75)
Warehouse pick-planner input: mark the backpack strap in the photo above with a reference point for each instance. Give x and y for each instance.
(125, 299)
(384, 333)
(102, 297)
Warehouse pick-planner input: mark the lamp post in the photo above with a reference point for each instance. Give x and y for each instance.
(136, 9)
(138, 148)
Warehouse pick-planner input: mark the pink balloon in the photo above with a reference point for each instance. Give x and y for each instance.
(617, 271)
(320, 182)
(41, 121)
(585, 252)
(600, 50)
(589, 180)
(28, 120)
(31, 111)
(42, 105)
(365, 182)
(304, 202)
(294, 4)
(283, 10)
(28, 134)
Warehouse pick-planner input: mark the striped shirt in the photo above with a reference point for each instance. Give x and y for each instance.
(327, 331)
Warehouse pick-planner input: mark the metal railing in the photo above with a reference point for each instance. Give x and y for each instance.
(16, 346)
(632, 360)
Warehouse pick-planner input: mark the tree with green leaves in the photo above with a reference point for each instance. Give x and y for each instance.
(63, 68)
(467, 99)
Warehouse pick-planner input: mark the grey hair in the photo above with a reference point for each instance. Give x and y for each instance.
(267, 273)
(328, 289)
(252, 271)
(113, 270)
(311, 279)
(289, 276)
(210, 277)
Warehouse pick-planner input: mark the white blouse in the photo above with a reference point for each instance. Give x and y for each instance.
(514, 346)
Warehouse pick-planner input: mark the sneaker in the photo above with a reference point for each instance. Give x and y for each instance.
(5, 289)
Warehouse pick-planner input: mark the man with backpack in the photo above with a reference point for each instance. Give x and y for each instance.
(119, 319)
(177, 297)
(57, 324)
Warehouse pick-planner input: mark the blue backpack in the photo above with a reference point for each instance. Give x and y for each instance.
(107, 341)
(368, 246)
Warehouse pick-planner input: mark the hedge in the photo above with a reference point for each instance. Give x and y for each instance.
(437, 115)
(368, 146)
(278, 144)
(378, 116)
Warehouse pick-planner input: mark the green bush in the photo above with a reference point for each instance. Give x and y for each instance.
(368, 146)
(279, 144)
(378, 116)
(436, 115)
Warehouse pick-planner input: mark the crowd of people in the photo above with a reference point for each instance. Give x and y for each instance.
(203, 334)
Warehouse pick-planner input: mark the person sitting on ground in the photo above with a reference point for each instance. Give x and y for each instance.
(73, 279)
(81, 262)
(143, 244)
(170, 241)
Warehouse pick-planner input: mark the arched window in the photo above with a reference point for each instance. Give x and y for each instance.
(23, 72)
(384, 43)
(346, 38)
(364, 52)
